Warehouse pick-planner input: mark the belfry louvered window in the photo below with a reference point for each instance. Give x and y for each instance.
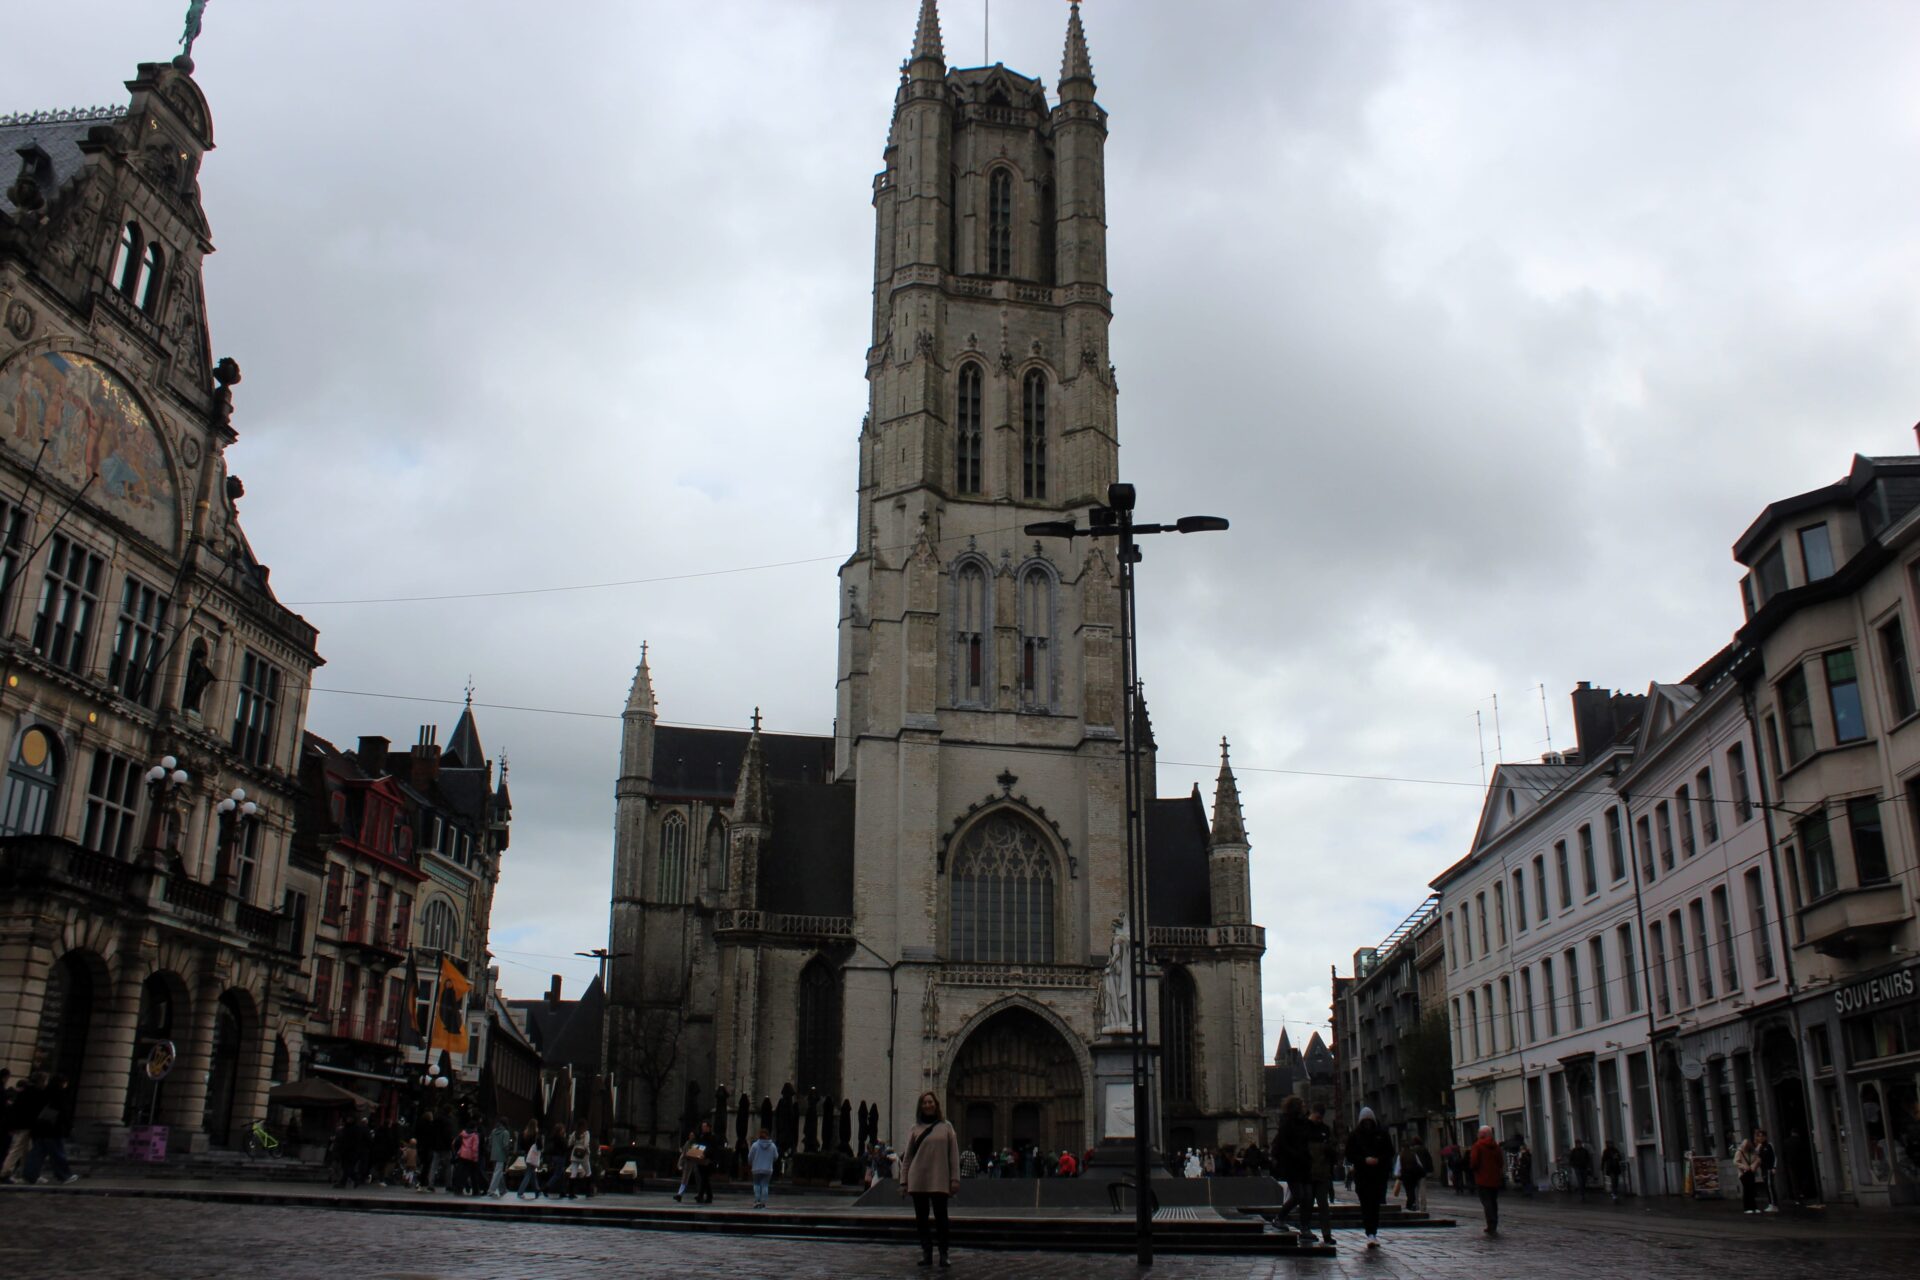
(1000, 223)
(1036, 638)
(1002, 894)
(970, 633)
(1033, 436)
(966, 431)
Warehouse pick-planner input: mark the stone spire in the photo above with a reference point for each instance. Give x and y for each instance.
(640, 696)
(750, 793)
(1228, 826)
(1076, 68)
(926, 44)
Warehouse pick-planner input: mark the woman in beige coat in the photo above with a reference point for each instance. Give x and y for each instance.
(930, 1173)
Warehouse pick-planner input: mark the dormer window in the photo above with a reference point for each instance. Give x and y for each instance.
(126, 262)
(139, 267)
(1816, 551)
(1772, 573)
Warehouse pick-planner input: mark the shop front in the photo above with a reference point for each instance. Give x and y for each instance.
(1871, 1037)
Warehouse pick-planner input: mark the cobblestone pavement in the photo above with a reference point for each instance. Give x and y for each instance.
(53, 1234)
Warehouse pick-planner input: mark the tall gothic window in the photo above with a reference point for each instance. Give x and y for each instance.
(819, 1064)
(673, 858)
(966, 431)
(1033, 436)
(1002, 894)
(970, 628)
(716, 857)
(153, 264)
(1000, 223)
(1176, 1033)
(33, 782)
(1036, 637)
(126, 259)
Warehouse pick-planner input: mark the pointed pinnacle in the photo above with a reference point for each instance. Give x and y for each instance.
(926, 34)
(1228, 826)
(1075, 64)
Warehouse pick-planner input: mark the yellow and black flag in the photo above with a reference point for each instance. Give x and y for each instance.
(450, 1008)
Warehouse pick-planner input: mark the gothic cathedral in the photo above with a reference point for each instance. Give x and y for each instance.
(926, 899)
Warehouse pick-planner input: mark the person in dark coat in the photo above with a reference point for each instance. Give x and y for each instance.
(1416, 1162)
(47, 1103)
(1370, 1155)
(1290, 1158)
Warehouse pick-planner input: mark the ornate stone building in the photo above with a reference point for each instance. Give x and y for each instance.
(926, 898)
(151, 687)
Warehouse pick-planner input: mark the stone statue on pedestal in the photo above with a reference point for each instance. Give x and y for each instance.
(1116, 984)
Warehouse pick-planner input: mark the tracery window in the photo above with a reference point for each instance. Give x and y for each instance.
(1176, 1033)
(1002, 894)
(1033, 435)
(716, 856)
(819, 1039)
(970, 629)
(1000, 223)
(33, 782)
(672, 885)
(966, 430)
(1036, 638)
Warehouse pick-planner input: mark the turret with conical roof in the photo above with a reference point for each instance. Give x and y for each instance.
(752, 819)
(1228, 850)
(636, 781)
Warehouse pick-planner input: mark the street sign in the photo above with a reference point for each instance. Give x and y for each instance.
(160, 1061)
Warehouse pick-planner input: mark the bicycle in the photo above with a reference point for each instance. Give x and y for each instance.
(260, 1141)
(1562, 1178)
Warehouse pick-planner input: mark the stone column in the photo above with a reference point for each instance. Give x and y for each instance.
(25, 961)
(186, 1093)
(100, 1109)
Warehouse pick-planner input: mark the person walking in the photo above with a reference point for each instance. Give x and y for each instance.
(930, 1173)
(579, 1162)
(18, 1122)
(1523, 1170)
(1485, 1164)
(1290, 1160)
(1580, 1165)
(1746, 1162)
(703, 1171)
(1320, 1160)
(1764, 1149)
(1612, 1166)
(499, 1152)
(1370, 1153)
(437, 1138)
(690, 1156)
(1416, 1163)
(48, 1128)
(530, 1180)
(466, 1160)
(761, 1158)
(410, 1163)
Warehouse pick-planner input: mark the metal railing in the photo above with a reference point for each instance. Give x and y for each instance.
(730, 920)
(1221, 935)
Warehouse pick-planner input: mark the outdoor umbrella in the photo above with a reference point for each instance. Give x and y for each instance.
(312, 1092)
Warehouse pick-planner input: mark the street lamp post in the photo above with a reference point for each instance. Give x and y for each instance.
(603, 957)
(1115, 520)
(893, 1024)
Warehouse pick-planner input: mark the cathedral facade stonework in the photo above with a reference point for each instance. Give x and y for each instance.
(926, 899)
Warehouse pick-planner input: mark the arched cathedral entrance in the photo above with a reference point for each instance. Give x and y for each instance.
(1015, 1081)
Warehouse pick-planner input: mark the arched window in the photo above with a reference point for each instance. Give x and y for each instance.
(1000, 223)
(1176, 1034)
(819, 1038)
(1036, 638)
(126, 259)
(439, 926)
(716, 856)
(33, 783)
(1002, 894)
(971, 625)
(1033, 435)
(673, 859)
(966, 430)
(146, 294)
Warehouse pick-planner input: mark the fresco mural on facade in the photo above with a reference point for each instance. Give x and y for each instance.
(93, 426)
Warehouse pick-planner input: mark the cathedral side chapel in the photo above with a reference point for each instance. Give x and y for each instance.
(928, 898)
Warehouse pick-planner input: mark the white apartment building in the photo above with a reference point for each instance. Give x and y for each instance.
(1539, 924)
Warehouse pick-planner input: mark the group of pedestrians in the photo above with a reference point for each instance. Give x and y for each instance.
(458, 1152)
(38, 1114)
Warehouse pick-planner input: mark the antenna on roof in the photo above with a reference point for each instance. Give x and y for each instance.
(1480, 732)
(986, 41)
(1543, 715)
(1499, 749)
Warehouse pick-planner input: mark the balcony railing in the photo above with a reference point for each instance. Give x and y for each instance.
(782, 923)
(1211, 938)
(51, 863)
(366, 1030)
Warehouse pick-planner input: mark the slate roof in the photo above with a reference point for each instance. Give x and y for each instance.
(1179, 890)
(807, 868)
(566, 1032)
(705, 763)
(58, 133)
(463, 748)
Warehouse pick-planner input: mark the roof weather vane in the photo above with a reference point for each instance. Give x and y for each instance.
(195, 10)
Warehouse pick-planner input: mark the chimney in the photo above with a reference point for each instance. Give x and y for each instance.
(426, 756)
(553, 992)
(373, 754)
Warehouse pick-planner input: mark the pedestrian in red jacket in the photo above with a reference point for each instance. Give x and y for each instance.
(1486, 1163)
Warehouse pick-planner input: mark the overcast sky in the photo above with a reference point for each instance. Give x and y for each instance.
(1490, 326)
